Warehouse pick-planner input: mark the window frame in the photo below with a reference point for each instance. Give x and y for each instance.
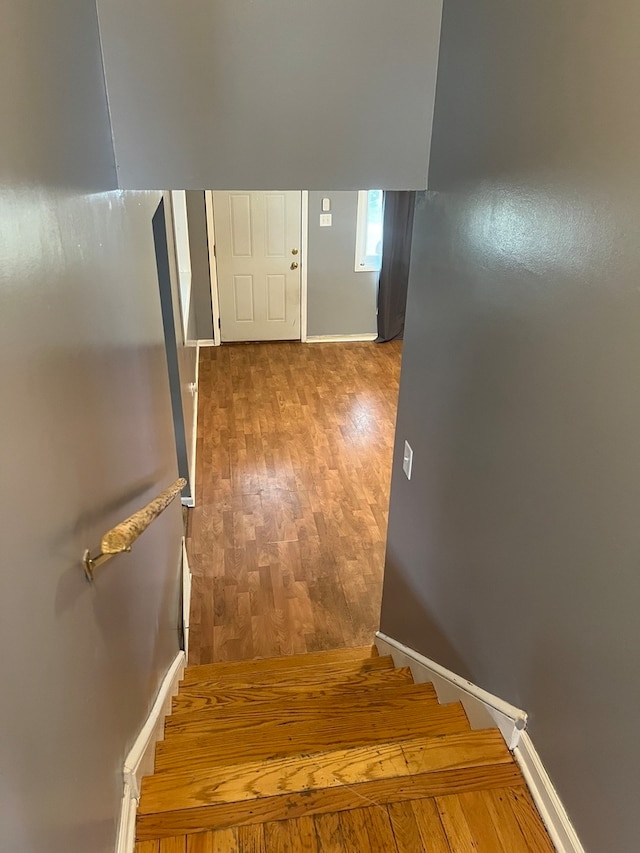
(361, 260)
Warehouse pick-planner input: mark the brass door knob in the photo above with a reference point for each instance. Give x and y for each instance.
(294, 251)
(294, 265)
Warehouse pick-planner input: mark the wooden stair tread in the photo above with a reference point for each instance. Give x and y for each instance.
(282, 754)
(228, 697)
(326, 800)
(528, 818)
(296, 708)
(213, 670)
(246, 740)
(329, 672)
(191, 788)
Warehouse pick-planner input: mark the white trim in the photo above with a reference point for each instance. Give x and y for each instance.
(213, 271)
(190, 502)
(362, 223)
(206, 342)
(126, 838)
(187, 578)
(304, 251)
(194, 428)
(182, 252)
(140, 760)
(339, 339)
(174, 272)
(545, 796)
(482, 708)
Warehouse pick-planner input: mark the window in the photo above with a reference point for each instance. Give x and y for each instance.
(369, 230)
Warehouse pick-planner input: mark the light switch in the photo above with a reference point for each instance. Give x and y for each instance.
(407, 460)
(326, 205)
(325, 220)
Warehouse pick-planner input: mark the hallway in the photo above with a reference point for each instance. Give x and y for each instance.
(286, 542)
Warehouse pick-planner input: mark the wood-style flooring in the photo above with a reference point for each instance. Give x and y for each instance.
(330, 752)
(289, 733)
(494, 821)
(287, 540)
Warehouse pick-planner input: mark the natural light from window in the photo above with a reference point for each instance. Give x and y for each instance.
(369, 230)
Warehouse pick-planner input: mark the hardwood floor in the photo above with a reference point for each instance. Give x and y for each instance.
(500, 820)
(335, 752)
(289, 733)
(287, 541)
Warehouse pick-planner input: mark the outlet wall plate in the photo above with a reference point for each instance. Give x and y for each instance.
(407, 460)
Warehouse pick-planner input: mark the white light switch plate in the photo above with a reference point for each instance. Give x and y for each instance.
(407, 460)
(325, 219)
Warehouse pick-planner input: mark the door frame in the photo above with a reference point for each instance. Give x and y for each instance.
(213, 272)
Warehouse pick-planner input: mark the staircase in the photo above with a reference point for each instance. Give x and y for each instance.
(330, 751)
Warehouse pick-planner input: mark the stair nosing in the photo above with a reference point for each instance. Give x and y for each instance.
(289, 661)
(367, 681)
(382, 663)
(424, 692)
(207, 750)
(248, 776)
(323, 801)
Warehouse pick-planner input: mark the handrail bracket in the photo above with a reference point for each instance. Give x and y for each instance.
(92, 563)
(119, 539)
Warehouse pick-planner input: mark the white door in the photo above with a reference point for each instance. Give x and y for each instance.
(258, 264)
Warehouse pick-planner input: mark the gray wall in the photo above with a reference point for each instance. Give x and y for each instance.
(200, 278)
(513, 553)
(86, 439)
(234, 94)
(340, 300)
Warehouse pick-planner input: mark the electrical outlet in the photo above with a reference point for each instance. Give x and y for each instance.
(407, 460)
(325, 220)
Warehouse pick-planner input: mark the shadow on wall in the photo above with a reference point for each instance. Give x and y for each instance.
(400, 597)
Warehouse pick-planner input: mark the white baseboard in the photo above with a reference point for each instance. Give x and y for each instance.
(482, 708)
(304, 250)
(206, 342)
(187, 578)
(194, 431)
(140, 760)
(126, 839)
(339, 339)
(545, 796)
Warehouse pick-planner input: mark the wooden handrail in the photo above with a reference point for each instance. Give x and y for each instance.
(121, 537)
